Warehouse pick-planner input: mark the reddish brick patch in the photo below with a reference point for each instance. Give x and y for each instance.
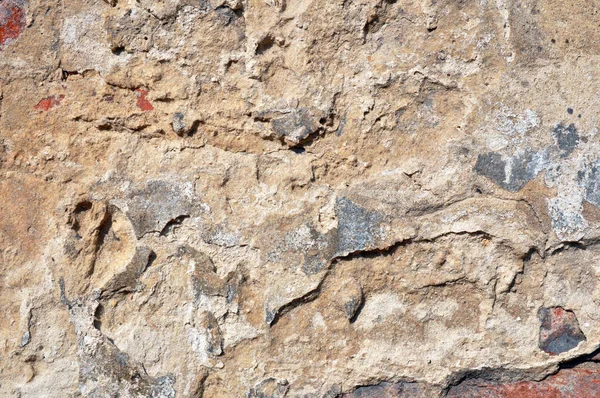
(49, 102)
(12, 21)
(568, 383)
(142, 102)
(559, 331)
(388, 390)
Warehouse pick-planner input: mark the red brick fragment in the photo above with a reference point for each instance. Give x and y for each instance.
(559, 331)
(567, 383)
(142, 102)
(49, 102)
(12, 21)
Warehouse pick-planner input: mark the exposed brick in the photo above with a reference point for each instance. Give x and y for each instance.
(559, 331)
(568, 383)
(12, 21)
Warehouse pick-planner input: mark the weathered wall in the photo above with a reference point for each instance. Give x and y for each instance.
(301, 198)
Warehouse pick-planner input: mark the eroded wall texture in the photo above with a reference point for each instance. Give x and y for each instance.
(299, 198)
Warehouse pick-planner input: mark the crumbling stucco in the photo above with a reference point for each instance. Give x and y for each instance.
(271, 198)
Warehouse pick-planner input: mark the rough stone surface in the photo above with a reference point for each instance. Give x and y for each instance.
(311, 198)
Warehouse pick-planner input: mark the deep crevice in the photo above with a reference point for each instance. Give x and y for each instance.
(194, 129)
(581, 360)
(265, 44)
(358, 310)
(172, 224)
(118, 50)
(566, 246)
(98, 317)
(297, 302)
(298, 149)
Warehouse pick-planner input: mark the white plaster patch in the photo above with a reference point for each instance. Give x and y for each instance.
(85, 46)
